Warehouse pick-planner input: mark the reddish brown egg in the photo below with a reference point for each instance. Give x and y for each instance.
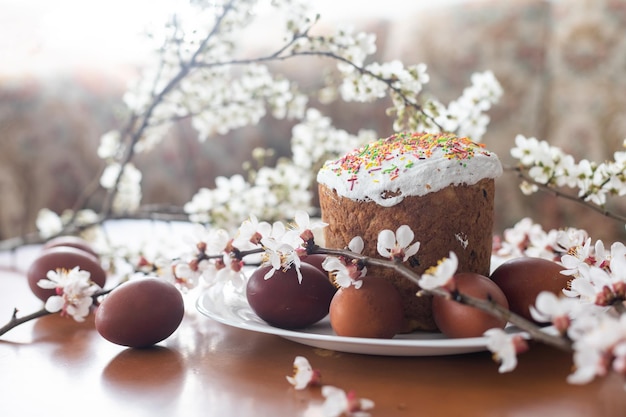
(62, 257)
(140, 313)
(374, 310)
(459, 320)
(522, 279)
(72, 242)
(284, 302)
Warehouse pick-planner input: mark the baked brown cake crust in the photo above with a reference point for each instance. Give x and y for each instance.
(457, 218)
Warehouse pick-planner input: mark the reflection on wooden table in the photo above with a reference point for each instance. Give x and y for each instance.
(54, 366)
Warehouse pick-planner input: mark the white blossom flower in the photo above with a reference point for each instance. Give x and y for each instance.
(344, 274)
(224, 271)
(601, 285)
(550, 308)
(303, 374)
(619, 360)
(397, 245)
(48, 223)
(283, 253)
(338, 402)
(215, 240)
(128, 196)
(516, 238)
(576, 257)
(525, 150)
(528, 188)
(564, 171)
(569, 238)
(186, 275)
(582, 287)
(441, 275)
(597, 342)
(588, 364)
(448, 118)
(505, 348)
(109, 145)
(356, 244)
(304, 226)
(75, 291)
(251, 232)
(541, 244)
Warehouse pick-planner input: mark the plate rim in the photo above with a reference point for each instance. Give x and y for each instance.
(392, 347)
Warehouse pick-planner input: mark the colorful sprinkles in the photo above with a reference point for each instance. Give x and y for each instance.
(405, 149)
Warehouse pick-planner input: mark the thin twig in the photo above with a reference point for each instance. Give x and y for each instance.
(550, 189)
(16, 321)
(185, 68)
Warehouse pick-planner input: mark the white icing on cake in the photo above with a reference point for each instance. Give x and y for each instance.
(408, 164)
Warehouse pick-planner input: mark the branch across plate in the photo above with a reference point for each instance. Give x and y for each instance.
(228, 306)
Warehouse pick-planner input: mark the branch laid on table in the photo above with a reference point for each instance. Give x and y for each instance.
(47, 310)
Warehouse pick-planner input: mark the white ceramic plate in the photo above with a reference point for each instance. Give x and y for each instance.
(229, 307)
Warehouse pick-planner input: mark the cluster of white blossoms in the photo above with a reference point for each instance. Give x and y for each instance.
(204, 71)
(549, 165)
(74, 290)
(128, 186)
(337, 402)
(527, 238)
(274, 193)
(50, 224)
(282, 244)
(591, 311)
(315, 139)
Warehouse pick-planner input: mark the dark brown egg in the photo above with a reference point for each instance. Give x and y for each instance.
(140, 313)
(72, 242)
(459, 320)
(373, 310)
(284, 302)
(522, 279)
(62, 257)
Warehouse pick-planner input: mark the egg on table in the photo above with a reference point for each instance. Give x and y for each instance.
(140, 313)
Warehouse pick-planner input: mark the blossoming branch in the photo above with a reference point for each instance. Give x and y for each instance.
(199, 74)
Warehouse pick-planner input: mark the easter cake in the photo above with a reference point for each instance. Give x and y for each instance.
(440, 185)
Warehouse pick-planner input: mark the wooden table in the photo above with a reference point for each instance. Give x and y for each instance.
(54, 366)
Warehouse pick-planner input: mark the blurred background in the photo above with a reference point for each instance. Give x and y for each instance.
(65, 65)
